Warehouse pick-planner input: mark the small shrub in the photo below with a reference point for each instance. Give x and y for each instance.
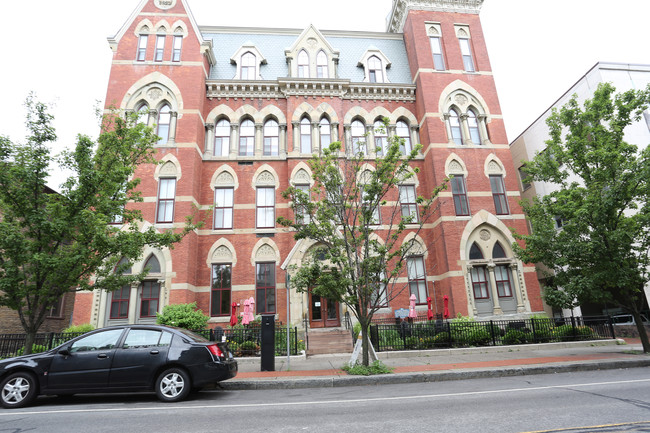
(376, 367)
(390, 338)
(36, 348)
(248, 348)
(183, 316)
(568, 332)
(514, 336)
(441, 339)
(543, 327)
(85, 327)
(412, 342)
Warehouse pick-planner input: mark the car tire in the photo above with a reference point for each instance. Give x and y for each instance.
(173, 385)
(18, 390)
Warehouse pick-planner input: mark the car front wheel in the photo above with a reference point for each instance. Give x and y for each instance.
(18, 390)
(173, 385)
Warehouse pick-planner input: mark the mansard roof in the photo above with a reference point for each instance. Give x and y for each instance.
(274, 42)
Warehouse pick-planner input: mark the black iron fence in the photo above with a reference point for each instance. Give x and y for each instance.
(245, 341)
(465, 333)
(242, 341)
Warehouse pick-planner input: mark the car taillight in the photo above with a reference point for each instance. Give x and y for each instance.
(215, 350)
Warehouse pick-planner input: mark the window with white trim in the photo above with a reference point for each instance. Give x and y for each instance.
(454, 126)
(408, 202)
(271, 138)
(303, 64)
(305, 136)
(436, 50)
(358, 133)
(222, 138)
(160, 48)
(322, 68)
(223, 208)
(325, 133)
(459, 193)
(164, 121)
(499, 194)
(265, 207)
(176, 48)
(472, 124)
(166, 199)
(247, 138)
(381, 138)
(403, 132)
(248, 66)
(417, 278)
(375, 70)
(142, 48)
(466, 52)
(265, 287)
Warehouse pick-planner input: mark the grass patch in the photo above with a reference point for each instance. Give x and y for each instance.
(376, 367)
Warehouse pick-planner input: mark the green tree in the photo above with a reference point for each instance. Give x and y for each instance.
(600, 253)
(52, 243)
(357, 259)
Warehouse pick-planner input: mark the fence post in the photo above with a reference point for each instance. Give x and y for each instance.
(374, 336)
(573, 326)
(494, 341)
(449, 333)
(532, 325)
(610, 323)
(50, 340)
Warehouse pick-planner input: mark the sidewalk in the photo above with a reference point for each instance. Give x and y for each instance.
(443, 364)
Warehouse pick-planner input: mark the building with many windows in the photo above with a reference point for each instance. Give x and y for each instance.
(240, 111)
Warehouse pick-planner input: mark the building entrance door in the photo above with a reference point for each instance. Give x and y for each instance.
(323, 312)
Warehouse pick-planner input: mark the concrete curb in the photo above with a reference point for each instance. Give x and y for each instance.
(433, 376)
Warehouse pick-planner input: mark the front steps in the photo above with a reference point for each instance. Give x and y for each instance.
(325, 341)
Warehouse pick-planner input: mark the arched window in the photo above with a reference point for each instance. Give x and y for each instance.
(142, 113)
(153, 265)
(222, 138)
(475, 252)
(358, 132)
(248, 66)
(472, 123)
(381, 138)
(271, 137)
(305, 136)
(454, 126)
(322, 69)
(325, 133)
(402, 131)
(119, 308)
(247, 138)
(498, 251)
(375, 72)
(164, 120)
(303, 64)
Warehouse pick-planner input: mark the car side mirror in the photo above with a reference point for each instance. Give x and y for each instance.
(65, 351)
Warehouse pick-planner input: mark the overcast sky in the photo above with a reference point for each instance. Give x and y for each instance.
(538, 49)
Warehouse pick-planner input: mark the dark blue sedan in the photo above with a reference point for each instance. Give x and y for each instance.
(169, 361)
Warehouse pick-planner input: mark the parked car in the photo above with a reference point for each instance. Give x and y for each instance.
(169, 361)
(628, 319)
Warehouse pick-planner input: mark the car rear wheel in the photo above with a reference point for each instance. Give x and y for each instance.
(18, 390)
(173, 385)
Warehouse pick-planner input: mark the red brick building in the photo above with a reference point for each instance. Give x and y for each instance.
(240, 111)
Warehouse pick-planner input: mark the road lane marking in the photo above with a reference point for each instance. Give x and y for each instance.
(314, 403)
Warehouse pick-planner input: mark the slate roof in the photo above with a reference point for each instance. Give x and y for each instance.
(273, 45)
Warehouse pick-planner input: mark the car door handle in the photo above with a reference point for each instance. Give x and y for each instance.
(154, 352)
(102, 355)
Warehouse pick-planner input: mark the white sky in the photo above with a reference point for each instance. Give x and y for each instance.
(538, 49)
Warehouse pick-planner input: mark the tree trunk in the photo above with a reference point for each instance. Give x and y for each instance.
(365, 358)
(643, 334)
(30, 337)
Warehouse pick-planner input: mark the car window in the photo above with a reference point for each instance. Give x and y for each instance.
(99, 341)
(146, 338)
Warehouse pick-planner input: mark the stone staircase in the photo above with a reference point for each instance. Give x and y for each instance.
(324, 341)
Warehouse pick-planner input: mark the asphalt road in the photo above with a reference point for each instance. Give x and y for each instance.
(612, 400)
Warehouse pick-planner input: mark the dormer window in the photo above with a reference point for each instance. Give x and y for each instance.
(303, 64)
(375, 64)
(248, 66)
(321, 65)
(248, 60)
(375, 73)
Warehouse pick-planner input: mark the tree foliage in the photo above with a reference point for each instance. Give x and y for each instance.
(52, 243)
(357, 258)
(185, 316)
(600, 200)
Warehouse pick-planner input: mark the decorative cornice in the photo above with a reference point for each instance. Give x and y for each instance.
(287, 87)
(397, 18)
